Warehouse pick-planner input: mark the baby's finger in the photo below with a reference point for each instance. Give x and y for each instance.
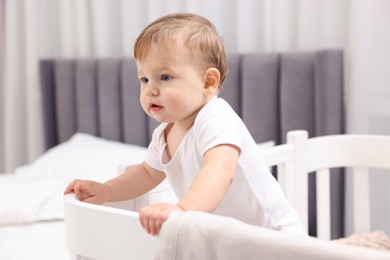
(148, 218)
(158, 224)
(83, 190)
(85, 193)
(78, 187)
(143, 217)
(152, 225)
(70, 186)
(162, 217)
(89, 199)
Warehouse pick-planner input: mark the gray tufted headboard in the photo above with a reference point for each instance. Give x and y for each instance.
(272, 92)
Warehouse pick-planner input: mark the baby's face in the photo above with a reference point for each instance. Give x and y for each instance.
(172, 84)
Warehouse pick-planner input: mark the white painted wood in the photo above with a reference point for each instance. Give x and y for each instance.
(300, 185)
(278, 154)
(89, 227)
(361, 152)
(283, 157)
(323, 203)
(285, 178)
(361, 200)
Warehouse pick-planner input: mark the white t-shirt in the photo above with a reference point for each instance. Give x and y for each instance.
(254, 196)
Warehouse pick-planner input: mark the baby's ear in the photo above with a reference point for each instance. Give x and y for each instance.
(212, 78)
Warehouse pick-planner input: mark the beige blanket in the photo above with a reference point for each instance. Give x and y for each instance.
(376, 239)
(197, 235)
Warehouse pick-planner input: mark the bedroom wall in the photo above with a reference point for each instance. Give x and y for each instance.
(85, 28)
(2, 49)
(368, 94)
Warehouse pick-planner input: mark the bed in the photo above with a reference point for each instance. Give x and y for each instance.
(94, 126)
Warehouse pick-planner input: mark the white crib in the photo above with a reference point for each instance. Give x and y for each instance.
(102, 232)
(302, 156)
(112, 230)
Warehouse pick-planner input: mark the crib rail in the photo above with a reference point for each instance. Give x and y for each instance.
(88, 227)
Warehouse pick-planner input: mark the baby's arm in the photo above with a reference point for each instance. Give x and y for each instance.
(213, 180)
(135, 181)
(206, 192)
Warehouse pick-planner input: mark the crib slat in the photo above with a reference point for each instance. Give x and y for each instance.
(286, 179)
(323, 204)
(361, 199)
(282, 156)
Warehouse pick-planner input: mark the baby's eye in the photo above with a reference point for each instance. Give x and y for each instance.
(165, 77)
(144, 80)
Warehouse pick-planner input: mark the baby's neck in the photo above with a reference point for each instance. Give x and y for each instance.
(174, 135)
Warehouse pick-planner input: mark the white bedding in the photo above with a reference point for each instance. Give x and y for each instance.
(31, 199)
(24, 202)
(42, 240)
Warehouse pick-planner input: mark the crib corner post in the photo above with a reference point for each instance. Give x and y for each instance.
(298, 139)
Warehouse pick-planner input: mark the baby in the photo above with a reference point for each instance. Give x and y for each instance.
(201, 146)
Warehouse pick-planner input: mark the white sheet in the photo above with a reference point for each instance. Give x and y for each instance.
(28, 201)
(25, 204)
(39, 241)
(34, 192)
(33, 195)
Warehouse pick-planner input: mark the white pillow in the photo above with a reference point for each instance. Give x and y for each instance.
(83, 156)
(25, 201)
(40, 184)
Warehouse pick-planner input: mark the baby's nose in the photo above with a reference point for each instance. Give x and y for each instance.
(152, 91)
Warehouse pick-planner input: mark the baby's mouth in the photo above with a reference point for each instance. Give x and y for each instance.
(155, 107)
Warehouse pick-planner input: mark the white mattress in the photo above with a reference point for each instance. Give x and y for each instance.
(31, 199)
(43, 240)
(31, 225)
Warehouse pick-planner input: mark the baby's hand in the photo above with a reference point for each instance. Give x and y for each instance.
(152, 217)
(89, 191)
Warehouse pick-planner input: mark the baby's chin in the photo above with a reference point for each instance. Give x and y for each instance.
(159, 119)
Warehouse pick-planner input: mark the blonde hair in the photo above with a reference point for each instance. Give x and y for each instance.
(197, 34)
